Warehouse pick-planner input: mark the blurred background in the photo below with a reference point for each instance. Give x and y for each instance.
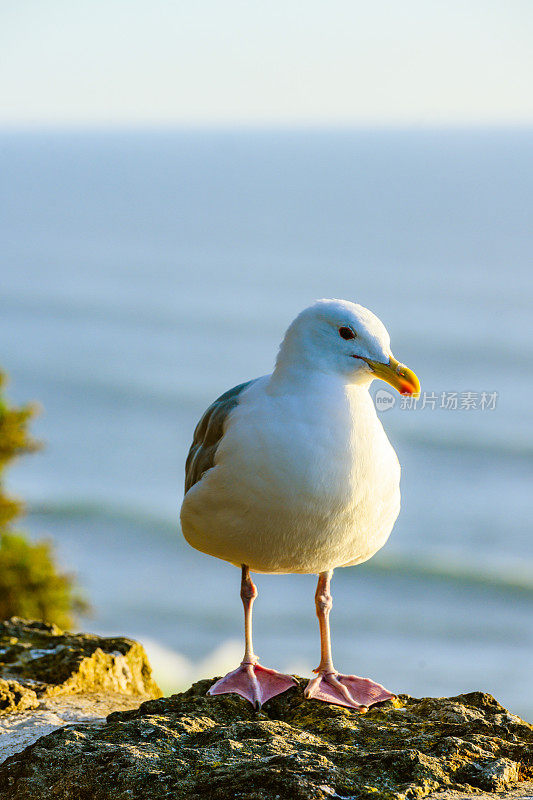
(178, 181)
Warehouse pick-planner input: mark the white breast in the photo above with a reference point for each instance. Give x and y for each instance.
(302, 482)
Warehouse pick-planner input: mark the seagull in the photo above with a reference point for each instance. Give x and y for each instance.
(292, 472)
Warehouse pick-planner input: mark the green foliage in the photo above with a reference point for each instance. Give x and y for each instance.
(30, 584)
(14, 441)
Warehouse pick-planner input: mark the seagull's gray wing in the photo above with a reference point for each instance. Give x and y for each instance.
(208, 434)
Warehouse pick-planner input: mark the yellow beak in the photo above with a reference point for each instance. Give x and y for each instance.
(398, 375)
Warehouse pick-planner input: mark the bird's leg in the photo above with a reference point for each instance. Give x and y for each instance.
(248, 595)
(330, 685)
(252, 681)
(323, 605)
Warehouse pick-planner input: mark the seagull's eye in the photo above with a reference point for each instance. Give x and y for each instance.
(346, 333)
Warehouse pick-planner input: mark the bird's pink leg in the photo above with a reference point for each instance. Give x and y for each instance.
(252, 681)
(330, 685)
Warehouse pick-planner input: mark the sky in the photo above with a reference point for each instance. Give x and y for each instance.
(220, 62)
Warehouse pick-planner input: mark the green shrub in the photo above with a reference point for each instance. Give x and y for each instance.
(30, 584)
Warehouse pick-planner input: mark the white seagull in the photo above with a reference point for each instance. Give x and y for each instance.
(293, 472)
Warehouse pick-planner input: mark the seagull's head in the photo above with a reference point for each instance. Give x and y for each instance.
(343, 338)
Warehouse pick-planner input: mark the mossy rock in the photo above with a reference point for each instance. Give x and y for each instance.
(15, 697)
(41, 658)
(191, 746)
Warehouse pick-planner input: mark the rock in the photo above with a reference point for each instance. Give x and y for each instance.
(21, 729)
(194, 747)
(15, 697)
(42, 658)
(49, 678)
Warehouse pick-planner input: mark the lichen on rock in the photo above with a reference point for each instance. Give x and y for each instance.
(15, 697)
(49, 678)
(191, 746)
(41, 658)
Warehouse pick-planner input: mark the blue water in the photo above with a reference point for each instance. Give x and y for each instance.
(143, 273)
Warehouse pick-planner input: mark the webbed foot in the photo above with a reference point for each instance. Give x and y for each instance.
(253, 682)
(346, 690)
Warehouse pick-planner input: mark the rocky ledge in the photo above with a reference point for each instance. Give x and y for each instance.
(217, 748)
(49, 678)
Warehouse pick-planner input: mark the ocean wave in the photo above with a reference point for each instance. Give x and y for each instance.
(94, 510)
(509, 576)
(457, 441)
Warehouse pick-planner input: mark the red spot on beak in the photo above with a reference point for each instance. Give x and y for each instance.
(406, 388)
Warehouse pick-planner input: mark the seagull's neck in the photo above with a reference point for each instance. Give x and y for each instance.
(294, 378)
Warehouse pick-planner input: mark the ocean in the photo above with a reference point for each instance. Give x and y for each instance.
(146, 271)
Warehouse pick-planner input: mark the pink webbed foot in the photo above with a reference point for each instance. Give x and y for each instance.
(346, 690)
(253, 682)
